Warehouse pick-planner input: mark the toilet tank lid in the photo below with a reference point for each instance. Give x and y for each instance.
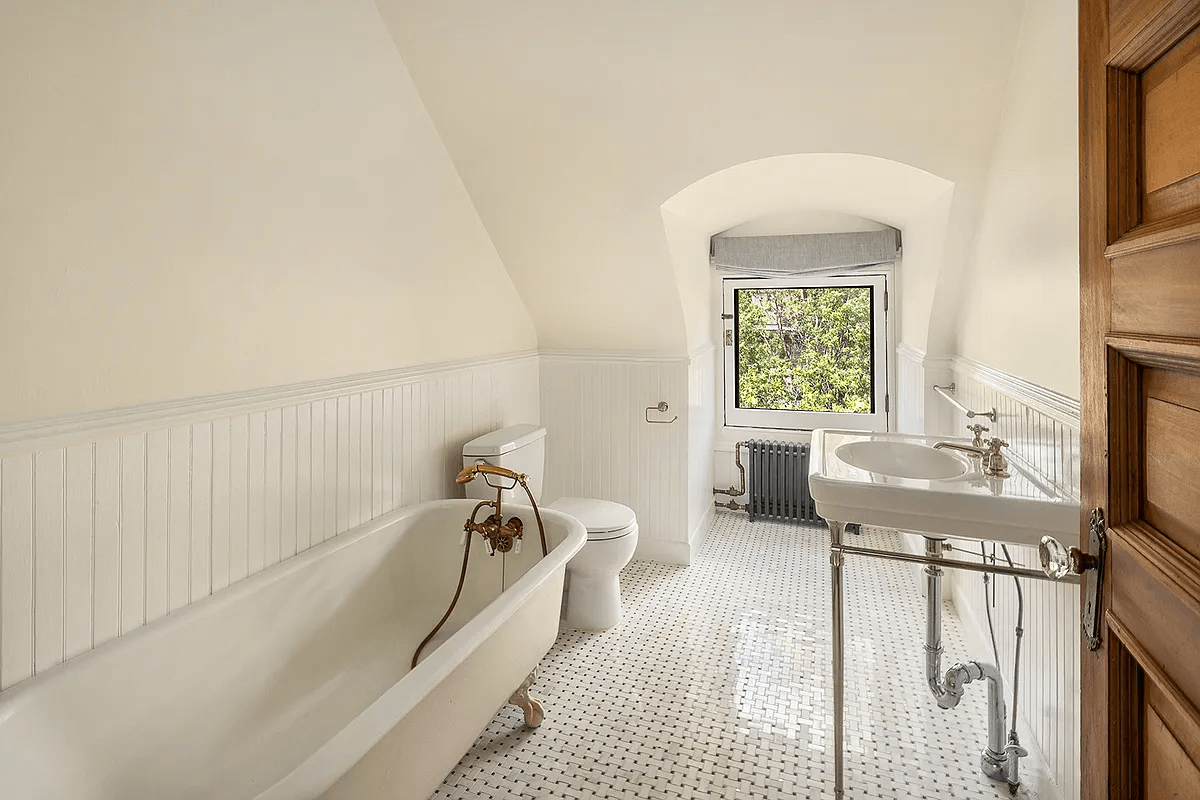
(505, 440)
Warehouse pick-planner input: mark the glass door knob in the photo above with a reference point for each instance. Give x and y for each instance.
(1059, 562)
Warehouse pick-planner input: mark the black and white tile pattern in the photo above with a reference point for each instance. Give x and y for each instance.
(717, 685)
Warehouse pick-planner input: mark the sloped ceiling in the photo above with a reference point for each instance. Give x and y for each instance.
(572, 123)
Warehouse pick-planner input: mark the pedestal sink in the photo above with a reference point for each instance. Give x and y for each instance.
(901, 481)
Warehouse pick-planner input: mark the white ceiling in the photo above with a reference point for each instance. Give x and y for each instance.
(571, 123)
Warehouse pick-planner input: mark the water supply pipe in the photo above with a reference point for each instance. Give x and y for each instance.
(1013, 749)
(734, 491)
(948, 690)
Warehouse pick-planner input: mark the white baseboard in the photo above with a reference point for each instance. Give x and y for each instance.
(700, 532)
(663, 552)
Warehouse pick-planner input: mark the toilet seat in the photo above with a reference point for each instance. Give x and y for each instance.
(603, 519)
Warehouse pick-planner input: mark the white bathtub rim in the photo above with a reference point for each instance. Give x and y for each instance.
(344, 749)
(16, 697)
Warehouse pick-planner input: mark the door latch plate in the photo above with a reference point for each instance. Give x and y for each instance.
(1094, 581)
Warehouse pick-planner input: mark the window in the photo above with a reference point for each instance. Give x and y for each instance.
(806, 353)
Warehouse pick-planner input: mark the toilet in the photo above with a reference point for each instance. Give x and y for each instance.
(593, 588)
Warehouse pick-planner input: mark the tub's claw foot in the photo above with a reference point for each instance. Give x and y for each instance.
(534, 713)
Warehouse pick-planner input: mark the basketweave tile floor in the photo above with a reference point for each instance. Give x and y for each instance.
(716, 685)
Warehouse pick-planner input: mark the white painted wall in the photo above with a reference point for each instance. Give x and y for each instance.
(1021, 305)
(572, 124)
(202, 197)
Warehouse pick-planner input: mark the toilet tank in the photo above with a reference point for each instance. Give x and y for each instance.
(521, 448)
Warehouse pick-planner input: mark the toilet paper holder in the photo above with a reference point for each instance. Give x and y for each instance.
(662, 406)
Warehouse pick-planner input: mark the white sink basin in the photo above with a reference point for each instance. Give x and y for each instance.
(900, 481)
(902, 459)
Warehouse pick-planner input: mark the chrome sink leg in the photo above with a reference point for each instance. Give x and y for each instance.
(836, 531)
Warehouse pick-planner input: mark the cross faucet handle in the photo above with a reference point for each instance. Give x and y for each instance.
(994, 462)
(978, 430)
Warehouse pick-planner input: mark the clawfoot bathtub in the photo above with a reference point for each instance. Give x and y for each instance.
(295, 683)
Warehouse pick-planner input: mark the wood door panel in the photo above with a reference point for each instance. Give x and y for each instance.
(1167, 625)
(1171, 472)
(1171, 115)
(1170, 773)
(1171, 734)
(1175, 198)
(1157, 291)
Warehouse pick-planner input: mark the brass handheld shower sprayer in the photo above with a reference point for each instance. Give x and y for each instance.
(498, 536)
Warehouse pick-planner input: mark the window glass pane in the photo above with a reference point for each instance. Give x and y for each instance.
(805, 349)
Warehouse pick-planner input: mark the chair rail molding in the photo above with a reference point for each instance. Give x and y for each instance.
(1057, 406)
(31, 435)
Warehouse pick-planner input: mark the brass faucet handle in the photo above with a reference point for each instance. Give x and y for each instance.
(995, 443)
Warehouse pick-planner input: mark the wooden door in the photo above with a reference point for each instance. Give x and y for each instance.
(1140, 301)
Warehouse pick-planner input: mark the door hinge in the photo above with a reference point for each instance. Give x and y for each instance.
(885, 299)
(887, 404)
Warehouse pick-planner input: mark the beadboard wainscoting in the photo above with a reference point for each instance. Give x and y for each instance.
(112, 520)
(599, 444)
(1042, 429)
(910, 389)
(702, 410)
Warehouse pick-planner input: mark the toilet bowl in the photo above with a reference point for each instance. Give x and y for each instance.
(593, 593)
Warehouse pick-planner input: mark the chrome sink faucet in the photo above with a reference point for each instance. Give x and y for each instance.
(991, 461)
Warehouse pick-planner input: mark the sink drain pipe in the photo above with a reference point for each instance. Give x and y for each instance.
(948, 690)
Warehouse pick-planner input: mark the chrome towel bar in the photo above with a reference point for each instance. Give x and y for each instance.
(948, 392)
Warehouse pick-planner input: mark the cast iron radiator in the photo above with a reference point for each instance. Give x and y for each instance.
(778, 483)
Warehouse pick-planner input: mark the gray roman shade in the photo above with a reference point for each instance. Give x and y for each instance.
(804, 254)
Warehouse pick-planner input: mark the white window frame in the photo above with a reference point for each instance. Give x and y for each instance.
(810, 420)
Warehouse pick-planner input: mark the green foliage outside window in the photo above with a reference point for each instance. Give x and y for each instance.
(804, 349)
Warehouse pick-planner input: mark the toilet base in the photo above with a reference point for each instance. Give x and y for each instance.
(593, 602)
